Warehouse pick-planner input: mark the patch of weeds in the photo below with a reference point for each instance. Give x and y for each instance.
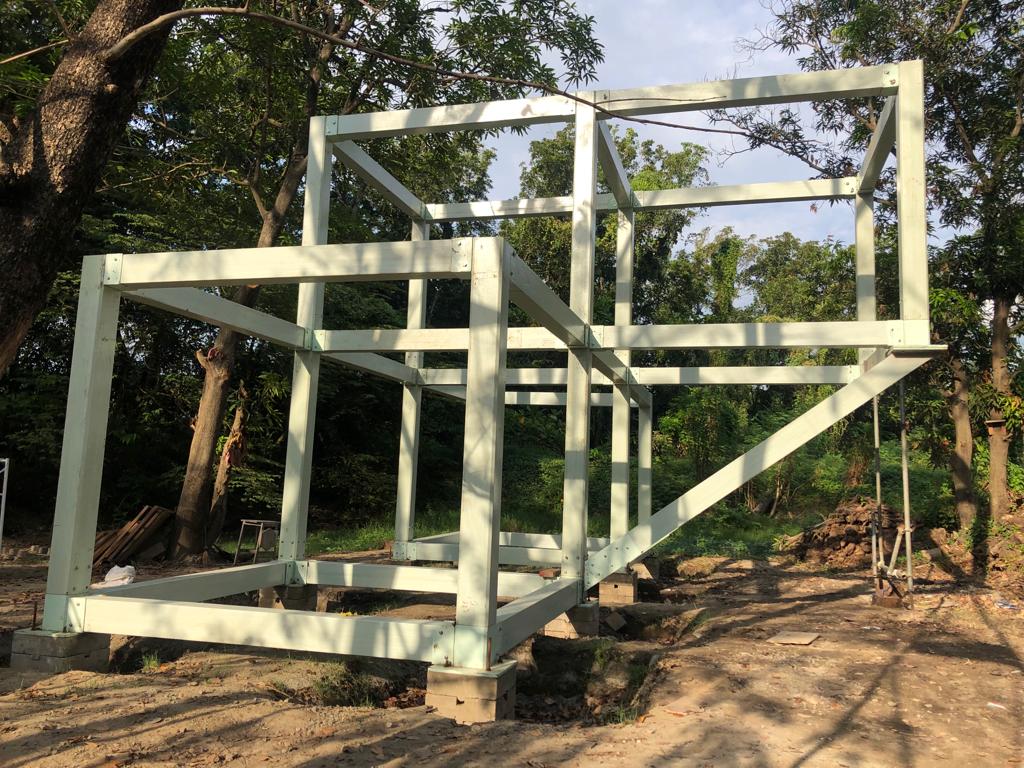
(604, 652)
(340, 686)
(150, 662)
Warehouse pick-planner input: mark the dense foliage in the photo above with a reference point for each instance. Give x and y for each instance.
(208, 154)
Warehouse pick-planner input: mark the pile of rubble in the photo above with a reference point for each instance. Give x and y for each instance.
(843, 539)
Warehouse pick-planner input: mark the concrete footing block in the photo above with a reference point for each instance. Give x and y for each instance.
(581, 621)
(293, 598)
(473, 695)
(618, 589)
(37, 650)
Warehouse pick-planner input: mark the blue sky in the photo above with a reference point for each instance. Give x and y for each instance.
(654, 42)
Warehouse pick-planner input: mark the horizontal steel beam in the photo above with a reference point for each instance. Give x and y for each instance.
(373, 636)
(655, 376)
(660, 199)
(834, 334)
(216, 310)
(293, 264)
(455, 117)
(878, 80)
(405, 578)
(207, 585)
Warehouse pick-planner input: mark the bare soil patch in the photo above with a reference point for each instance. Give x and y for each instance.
(688, 680)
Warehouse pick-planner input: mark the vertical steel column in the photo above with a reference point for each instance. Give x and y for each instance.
(412, 402)
(644, 462)
(85, 435)
(621, 416)
(911, 201)
(904, 460)
(306, 368)
(864, 234)
(581, 295)
(480, 517)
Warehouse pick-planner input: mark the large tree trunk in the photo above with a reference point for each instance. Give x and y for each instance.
(963, 450)
(231, 456)
(52, 160)
(194, 510)
(998, 436)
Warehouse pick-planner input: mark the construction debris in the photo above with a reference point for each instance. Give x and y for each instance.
(794, 638)
(131, 538)
(843, 539)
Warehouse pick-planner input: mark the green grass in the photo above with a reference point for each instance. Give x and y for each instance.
(150, 662)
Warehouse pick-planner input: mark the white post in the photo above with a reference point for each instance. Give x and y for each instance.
(911, 201)
(876, 517)
(644, 462)
(620, 396)
(306, 368)
(85, 435)
(577, 410)
(905, 461)
(480, 517)
(412, 402)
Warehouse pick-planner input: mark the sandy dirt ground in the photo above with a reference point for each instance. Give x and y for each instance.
(939, 685)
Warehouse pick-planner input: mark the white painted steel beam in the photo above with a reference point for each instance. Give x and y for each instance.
(611, 164)
(575, 486)
(406, 578)
(456, 117)
(666, 376)
(747, 194)
(483, 444)
(911, 199)
(524, 616)
(880, 80)
(292, 264)
(521, 539)
(207, 585)
(660, 199)
(375, 364)
(796, 433)
(412, 407)
(879, 148)
(373, 173)
(85, 434)
(224, 313)
(373, 636)
(834, 334)
(309, 313)
(621, 415)
(644, 463)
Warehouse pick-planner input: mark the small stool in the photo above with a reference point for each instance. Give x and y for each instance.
(261, 527)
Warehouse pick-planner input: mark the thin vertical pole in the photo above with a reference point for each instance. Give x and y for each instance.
(412, 405)
(904, 450)
(577, 411)
(306, 367)
(877, 513)
(911, 201)
(85, 436)
(621, 415)
(480, 516)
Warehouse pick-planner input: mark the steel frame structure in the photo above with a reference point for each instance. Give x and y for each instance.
(596, 356)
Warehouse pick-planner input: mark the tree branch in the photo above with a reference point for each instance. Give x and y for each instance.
(33, 52)
(243, 11)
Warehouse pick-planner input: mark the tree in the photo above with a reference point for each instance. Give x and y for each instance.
(322, 57)
(974, 73)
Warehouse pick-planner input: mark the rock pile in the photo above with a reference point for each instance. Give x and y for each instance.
(843, 539)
